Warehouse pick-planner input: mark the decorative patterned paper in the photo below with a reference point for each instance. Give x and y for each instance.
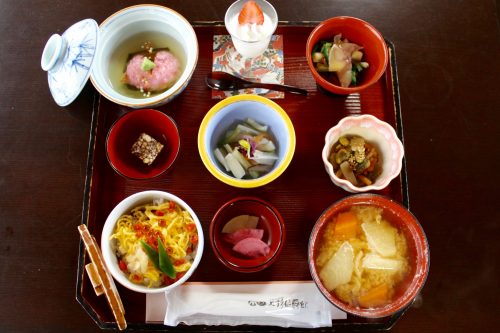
(268, 67)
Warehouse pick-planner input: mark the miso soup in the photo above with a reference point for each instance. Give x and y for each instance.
(122, 54)
(363, 257)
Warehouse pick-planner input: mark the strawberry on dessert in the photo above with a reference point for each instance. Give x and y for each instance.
(251, 13)
(251, 25)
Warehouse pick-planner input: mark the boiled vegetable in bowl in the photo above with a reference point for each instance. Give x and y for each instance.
(368, 255)
(247, 150)
(355, 159)
(246, 141)
(341, 57)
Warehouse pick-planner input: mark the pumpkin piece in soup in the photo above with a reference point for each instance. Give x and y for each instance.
(346, 226)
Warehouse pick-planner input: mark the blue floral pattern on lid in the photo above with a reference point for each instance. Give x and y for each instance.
(68, 60)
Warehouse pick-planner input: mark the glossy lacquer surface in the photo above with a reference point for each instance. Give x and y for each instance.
(300, 194)
(448, 83)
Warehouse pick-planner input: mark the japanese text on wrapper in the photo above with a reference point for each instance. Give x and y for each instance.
(281, 303)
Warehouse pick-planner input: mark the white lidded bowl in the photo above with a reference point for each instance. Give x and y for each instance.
(375, 131)
(124, 207)
(131, 21)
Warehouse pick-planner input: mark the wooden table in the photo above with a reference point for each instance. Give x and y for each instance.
(447, 60)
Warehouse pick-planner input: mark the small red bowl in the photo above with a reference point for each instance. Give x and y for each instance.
(269, 219)
(357, 31)
(127, 129)
(418, 253)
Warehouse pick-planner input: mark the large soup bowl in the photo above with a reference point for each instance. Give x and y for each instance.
(417, 247)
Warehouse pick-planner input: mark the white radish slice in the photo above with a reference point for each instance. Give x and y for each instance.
(261, 154)
(228, 148)
(240, 222)
(241, 159)
(266, 158)
(374, 261)
(266, 145)
(235, 166)
(338, 270)
(381, 238)
(253, 221)
(218, 155)
(246, 129)
(265, 161)
(256, 125)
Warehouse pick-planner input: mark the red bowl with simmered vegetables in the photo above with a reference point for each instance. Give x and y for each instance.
(368, 255)
(247, 234)
(357, 31)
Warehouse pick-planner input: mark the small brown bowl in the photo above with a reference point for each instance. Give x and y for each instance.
(418, 253)
(269, 220)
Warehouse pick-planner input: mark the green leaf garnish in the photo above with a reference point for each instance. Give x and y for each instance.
(354, 79)
(152, 254)
(147, 64)
(325, 49)
(159, 259)
(164, 261)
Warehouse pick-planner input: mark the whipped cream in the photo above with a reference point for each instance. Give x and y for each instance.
(251, 39)
(251, 32)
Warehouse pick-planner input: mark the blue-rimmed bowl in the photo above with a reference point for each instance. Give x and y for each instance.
(225, 114)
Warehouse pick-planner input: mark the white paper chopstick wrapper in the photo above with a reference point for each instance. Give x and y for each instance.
(284, 304)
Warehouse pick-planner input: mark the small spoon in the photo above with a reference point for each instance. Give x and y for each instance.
(225, 81)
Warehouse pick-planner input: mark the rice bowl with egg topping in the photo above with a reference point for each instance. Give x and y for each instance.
(155, 243)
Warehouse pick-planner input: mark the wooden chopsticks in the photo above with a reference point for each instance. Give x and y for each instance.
(100, 277)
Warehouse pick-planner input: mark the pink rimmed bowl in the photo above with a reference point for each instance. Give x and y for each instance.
(376, 131)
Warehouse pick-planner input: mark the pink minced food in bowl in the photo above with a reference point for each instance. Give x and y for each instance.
(248, 242)
(247, 234)
(163, 75)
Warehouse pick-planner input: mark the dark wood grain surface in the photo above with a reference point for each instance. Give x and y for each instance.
(447, 55)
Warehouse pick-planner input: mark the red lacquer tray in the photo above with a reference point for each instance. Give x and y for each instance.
(300, 194)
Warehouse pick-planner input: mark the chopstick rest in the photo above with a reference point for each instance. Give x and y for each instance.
(100, 277)
(95, 279)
